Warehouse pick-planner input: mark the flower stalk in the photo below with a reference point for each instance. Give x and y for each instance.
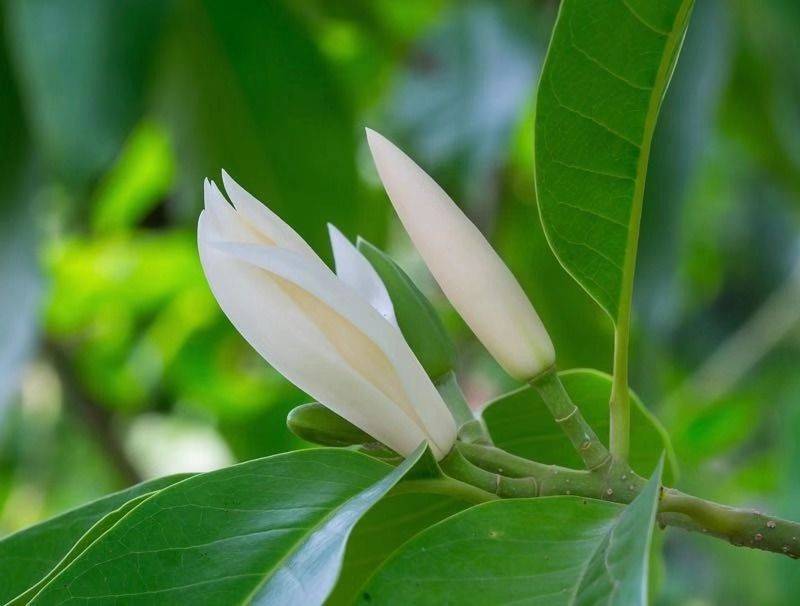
(470, 429)
(568, 416)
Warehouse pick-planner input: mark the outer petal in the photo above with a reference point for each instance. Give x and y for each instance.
(353, 269)
(474, 278)
(320, 349)
(229, 225)
(263, 220)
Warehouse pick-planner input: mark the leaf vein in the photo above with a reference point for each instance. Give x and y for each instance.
(592, 119)
(586, 245)
(642, 20)
(602, 65)
(593, 171)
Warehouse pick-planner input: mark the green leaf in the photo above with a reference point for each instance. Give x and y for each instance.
(413, 506)
(416, 317)
(84, 68)
(248, 90)
(548, 551)
(28, 555)
(520, 423)
(618, 571)
(95, 532)
(269, 531)
(606, 71)
(381, 531)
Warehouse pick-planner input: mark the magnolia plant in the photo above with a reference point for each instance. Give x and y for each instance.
(550, 494)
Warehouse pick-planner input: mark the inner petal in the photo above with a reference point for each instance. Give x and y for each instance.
(358, 350)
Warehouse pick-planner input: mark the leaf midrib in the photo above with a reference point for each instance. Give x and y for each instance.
(660, 84)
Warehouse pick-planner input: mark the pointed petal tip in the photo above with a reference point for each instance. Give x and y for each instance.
(374, 139)
(207, 191)
(334, 233)
(389, 158)
(228, 183)
(214, 188)
(379, 145)
(226, 177)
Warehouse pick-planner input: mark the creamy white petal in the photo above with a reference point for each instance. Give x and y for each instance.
(228, 223)
(263, 220)
(372, 347)
(279, 330)
(471, 274)
(293, 323)
(353, 269)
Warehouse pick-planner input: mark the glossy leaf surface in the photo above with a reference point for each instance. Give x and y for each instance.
(28, 555)
(548, 551)
(270, 531)
(606, 71)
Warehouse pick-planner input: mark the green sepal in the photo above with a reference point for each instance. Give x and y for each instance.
(317, 424)
(418, 321)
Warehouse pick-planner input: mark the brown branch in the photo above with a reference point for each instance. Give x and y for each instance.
(96, 416)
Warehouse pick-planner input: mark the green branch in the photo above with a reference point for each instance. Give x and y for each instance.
(568, 416)
(500, 473)
(741, 527)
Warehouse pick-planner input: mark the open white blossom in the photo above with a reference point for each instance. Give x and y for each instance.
(471, 274)
(314, 328)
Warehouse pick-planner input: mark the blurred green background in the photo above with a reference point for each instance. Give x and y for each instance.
(117, 365)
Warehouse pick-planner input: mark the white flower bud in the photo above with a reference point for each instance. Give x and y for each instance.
(471, 274)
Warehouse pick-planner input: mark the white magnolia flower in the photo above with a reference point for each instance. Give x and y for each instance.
(316, 329)
(471, 274)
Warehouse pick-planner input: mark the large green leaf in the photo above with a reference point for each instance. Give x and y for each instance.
(248, 90)
(397, 518)
(270, 531)
(91, 535)
(84, 67)
(382, 530)
(520, 423)
(606, 71)
(617, 573)
(28, 555)
(547, 551)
